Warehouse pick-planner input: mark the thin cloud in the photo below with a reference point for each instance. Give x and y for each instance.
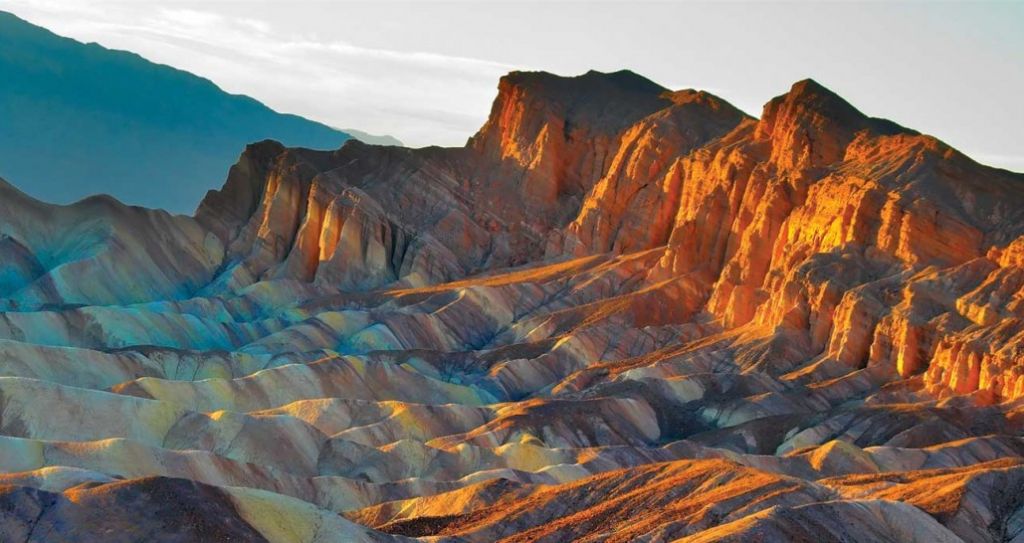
(192, 17)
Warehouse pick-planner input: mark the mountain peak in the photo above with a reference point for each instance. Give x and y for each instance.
(624, 81)
(559, 129)
(817, 98)
(810, 87)
(596, 102)
(808, 99)
(701, 98)
(810, 125)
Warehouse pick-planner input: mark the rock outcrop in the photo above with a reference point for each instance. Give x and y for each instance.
(619, 313)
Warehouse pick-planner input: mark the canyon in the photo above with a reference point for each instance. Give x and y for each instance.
(618, 313)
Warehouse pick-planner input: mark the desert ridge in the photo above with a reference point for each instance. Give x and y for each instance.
(619, 313)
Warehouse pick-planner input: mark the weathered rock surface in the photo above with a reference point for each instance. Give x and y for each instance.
(620, 313)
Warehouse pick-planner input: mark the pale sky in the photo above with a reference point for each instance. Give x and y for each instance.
(427, 72)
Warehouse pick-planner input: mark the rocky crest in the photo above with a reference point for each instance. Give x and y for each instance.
(619, 313)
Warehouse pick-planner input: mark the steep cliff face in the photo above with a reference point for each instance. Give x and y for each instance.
(633, 204)
(555, 136)
(357, 218)
(619, 313)
(815, 222)
(430, 215)
(844, 201)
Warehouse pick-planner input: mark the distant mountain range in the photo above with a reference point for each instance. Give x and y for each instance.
(79, 119)
(371, 138)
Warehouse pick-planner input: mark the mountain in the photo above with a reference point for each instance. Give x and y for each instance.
(619, 313)
(80, 119)
(373, 139)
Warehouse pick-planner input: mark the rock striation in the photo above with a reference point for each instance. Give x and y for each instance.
(619, 313)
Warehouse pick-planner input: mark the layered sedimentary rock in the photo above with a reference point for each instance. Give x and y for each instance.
(619, 313)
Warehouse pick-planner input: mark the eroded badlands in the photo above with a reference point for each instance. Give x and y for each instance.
(619, 313)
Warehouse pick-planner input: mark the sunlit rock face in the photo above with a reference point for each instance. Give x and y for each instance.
(620, 313)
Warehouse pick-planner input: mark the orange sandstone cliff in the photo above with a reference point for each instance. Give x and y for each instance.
(619, 313)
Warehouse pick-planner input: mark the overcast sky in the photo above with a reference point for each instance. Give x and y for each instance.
(426, 72)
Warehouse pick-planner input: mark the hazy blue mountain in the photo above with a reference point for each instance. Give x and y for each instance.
(373, 138)
(79, 119)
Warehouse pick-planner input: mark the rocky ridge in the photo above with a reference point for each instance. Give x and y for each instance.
(619, 313)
